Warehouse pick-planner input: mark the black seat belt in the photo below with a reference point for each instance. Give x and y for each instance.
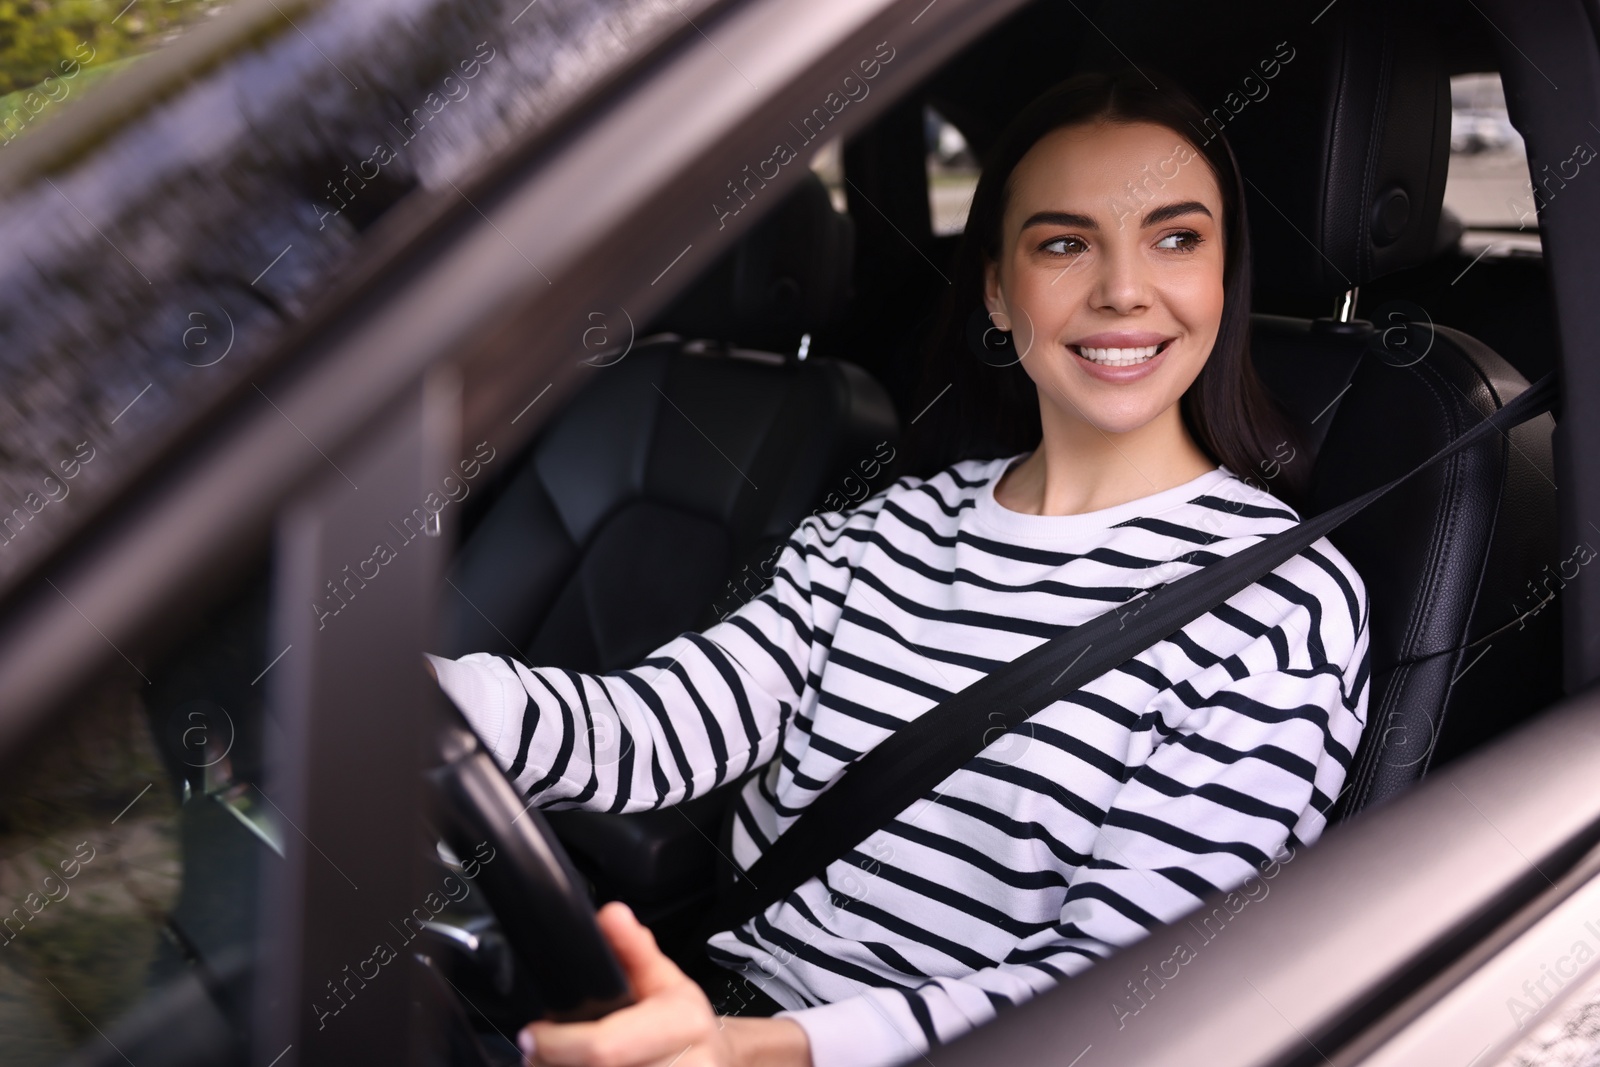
(908, 764)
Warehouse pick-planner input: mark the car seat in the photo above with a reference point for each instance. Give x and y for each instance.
(648, 505)
(1346, 163)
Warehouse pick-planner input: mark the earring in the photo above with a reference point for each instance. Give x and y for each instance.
(990, 343)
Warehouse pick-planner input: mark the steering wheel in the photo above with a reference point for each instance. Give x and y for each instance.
(544, 911)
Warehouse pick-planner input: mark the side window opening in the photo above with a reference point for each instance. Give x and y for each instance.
(1487, 275)
(827, 162)
(132, 835)
(90, 866)
(952, 174)
(1489, 187)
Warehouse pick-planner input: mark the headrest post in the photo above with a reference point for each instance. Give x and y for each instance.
(1344, 309)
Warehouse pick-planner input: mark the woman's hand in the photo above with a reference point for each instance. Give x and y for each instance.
(672, 1022)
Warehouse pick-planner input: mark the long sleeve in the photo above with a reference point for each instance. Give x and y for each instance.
(1246, 756)
(699, 711)
(1191, 770)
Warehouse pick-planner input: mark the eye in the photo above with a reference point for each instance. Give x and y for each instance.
(1072, 246)
(1181, 241)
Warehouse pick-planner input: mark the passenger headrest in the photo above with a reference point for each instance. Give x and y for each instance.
(789, 275)
(1339, 116)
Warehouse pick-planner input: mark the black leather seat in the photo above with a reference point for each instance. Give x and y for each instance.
(1340, 118)
(648, 505)
(680, 464)
(1448, 559)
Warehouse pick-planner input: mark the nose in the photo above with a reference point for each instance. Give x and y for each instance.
(1121, 284)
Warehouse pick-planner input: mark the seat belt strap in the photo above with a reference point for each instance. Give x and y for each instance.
(913, 760)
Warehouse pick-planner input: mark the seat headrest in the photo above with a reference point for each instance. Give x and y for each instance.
(1341, 126)
(789, 275)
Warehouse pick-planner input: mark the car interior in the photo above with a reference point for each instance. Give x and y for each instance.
(619, 482)
(779, 382)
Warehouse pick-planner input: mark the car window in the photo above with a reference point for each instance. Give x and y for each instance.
(827, 162)
(134, 832)
(952, 174)
(90, 864)
(132, 838)
(160, 236)
(1488, 187)
(1487, 277)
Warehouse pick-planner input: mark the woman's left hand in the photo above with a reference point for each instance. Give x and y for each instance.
(671, 1023)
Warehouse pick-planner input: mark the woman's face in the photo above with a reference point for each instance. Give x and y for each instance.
(1110, 273)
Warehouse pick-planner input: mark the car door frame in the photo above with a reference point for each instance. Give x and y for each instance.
(461, 302)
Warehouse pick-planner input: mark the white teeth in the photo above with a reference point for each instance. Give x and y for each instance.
(1118, 357)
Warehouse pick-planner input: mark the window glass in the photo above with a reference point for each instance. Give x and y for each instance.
(160, 244)
(952, 174)
(827, 163)
(1488, 187)
(132, 838)
(89, 867)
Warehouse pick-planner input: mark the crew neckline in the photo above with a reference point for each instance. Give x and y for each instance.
(1002, 519)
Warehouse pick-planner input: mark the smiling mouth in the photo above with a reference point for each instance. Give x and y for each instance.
(1119, 357)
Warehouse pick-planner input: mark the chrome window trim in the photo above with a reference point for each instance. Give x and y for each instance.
(1466, 1015)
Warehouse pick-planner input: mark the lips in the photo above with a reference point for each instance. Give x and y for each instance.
(1122, 339)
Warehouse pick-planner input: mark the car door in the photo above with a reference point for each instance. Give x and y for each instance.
(220, 579)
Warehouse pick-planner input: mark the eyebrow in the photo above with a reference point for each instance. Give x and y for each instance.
(1154, 216)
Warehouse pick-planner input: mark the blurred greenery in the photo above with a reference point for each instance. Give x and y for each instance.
(81, 773)
(97, 961)
(80, 950)
(36, 36)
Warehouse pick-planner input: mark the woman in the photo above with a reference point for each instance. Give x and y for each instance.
(1099, 449)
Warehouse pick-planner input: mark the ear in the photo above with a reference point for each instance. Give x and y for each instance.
(994, 300)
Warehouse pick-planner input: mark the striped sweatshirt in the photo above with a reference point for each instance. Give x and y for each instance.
(1110, 812)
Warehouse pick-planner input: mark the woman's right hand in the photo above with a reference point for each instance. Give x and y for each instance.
(673, 1022)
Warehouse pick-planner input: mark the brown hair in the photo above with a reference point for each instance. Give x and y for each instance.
(992, 410)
